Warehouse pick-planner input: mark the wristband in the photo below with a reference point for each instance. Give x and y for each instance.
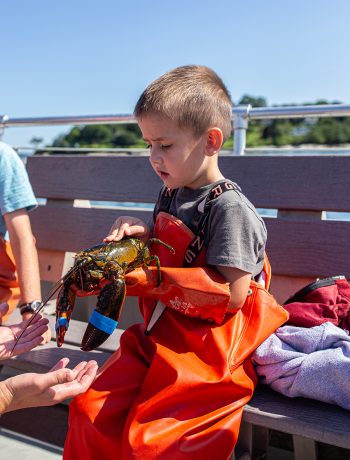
(30, 307)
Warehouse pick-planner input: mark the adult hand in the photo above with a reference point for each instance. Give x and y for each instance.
(30, 336)
(4, 308)
(57, 385)
(46, 335)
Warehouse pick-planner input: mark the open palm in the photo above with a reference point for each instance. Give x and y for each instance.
(26, 336)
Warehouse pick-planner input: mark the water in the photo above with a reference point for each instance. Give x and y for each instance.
(298, 151)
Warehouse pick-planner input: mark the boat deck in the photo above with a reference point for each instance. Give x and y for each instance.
(14, 445)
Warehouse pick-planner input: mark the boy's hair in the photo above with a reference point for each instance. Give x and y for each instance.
(193, 96)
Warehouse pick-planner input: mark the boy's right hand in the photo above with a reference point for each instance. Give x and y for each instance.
(127, 226)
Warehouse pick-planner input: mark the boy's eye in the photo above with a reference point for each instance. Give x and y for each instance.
(164, 147)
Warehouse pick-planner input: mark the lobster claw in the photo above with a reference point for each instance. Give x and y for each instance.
(104, 319)
(64, 309)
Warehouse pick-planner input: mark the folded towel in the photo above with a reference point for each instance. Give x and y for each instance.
(309, 362)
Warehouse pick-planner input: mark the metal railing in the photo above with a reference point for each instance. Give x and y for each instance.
(241, 115)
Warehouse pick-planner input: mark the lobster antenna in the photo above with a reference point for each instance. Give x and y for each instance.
(52, 291)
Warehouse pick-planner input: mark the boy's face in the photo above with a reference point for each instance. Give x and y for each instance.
(177, 155)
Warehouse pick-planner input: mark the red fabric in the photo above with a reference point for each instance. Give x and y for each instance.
(329, 303)
(179, 392)
(9, 287)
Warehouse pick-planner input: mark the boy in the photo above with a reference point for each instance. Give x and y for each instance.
(177, 385)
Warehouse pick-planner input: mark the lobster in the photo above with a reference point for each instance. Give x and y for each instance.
(99, 269)
(103, 265)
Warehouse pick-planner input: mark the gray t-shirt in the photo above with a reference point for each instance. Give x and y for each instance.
(235, 233)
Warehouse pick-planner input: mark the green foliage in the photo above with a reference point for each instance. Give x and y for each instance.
(253, 101)
(107, 136)
(330, 131)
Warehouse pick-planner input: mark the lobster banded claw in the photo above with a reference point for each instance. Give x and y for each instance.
(104, 318)
(61, 329)
(98, 330)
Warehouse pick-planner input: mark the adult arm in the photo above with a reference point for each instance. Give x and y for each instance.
(57, 385)
(25, 254)
(26, 258)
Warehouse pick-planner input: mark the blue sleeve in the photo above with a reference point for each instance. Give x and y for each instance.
(15, 189)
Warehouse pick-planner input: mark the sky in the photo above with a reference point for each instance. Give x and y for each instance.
(75, 57)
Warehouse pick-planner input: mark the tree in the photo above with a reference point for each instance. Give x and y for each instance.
(107, 136)
(36, 141)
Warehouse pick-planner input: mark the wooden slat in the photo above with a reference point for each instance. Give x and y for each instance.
(283, 182)
(283, 287)
(99, 178)
(292, 182)
(307, 248)
(295, 248)
(54, 264)
(73, 229)
(304, 448)
(48, 424)
(303, 417)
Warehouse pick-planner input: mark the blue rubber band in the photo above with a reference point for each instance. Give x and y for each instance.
(103, 323)
(62, 322)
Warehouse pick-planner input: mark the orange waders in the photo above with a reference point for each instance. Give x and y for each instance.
(9, 287)
(179, 392)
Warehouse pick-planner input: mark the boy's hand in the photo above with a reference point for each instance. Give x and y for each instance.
(127, 226)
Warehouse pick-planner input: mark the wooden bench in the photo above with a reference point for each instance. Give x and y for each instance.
(301, 246)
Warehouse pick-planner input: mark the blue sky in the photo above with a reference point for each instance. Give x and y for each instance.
(75, 57)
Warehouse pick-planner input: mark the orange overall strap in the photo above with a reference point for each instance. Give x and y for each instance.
(9, 288)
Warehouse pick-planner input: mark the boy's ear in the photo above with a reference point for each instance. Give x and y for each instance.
(214, 141)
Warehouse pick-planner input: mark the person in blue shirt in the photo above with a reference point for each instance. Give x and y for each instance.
(19, 267)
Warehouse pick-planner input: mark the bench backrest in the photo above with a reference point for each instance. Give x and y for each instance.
(301, 245)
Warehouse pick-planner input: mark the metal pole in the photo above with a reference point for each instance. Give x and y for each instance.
(6, 121)
(240, 125)
(3, 121)
(321, 110)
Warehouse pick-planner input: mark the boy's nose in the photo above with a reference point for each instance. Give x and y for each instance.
(155, 155)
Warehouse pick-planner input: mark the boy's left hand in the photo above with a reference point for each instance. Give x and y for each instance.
(127, 226)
